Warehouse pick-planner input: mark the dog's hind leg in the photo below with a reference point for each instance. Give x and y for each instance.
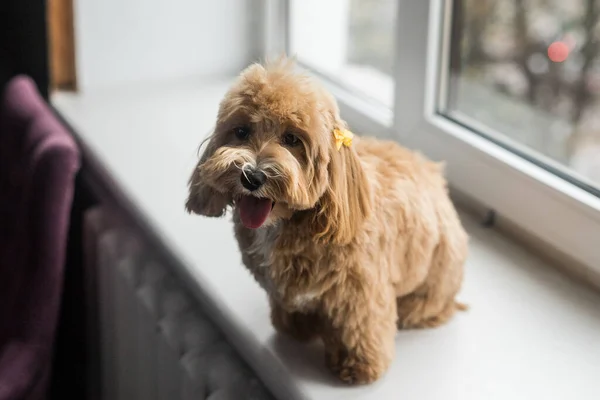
(420, 310)
(433, 303)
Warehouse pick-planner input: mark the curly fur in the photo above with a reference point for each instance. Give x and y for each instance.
(360, 242)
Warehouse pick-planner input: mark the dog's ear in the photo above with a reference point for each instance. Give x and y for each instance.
(202, 199)
(346, 202)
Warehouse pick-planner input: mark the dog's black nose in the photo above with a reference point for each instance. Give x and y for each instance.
(253, 179)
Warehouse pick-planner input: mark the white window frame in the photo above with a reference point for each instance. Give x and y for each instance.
(550, 209)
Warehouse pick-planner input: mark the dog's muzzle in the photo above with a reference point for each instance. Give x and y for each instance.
(252, 179)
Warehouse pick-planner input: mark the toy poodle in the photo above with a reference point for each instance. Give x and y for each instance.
(352, 238)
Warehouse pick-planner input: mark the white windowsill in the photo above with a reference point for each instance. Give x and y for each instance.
(530, 333)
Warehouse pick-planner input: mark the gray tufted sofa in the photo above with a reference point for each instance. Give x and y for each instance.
(154, 341)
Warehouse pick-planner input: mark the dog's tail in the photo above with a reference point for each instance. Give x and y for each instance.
(461, 306)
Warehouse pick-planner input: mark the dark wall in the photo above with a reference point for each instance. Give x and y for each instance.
(70, 364)
(23, 42)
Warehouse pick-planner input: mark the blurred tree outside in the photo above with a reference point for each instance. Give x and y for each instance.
(501, 72)
(371, 30)
(505, 78)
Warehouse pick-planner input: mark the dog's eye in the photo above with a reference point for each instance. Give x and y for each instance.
(242, 132)
(291, 140)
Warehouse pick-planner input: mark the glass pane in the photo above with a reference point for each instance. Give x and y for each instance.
(351, 41)
(530, 71)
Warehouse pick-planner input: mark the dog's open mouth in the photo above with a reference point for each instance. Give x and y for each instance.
(254, 211)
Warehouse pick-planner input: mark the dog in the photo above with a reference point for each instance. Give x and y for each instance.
(351, 237)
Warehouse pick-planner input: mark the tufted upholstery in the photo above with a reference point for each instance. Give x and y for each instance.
(157, 341)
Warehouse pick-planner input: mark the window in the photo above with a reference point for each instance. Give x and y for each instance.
(527, 74)
(505, 92)
(351, 41)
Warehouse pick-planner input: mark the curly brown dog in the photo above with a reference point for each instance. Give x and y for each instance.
(352, 238)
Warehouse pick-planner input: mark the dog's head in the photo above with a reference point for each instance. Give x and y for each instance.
(273, 153)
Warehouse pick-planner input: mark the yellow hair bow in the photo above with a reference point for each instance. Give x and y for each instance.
(342, 137)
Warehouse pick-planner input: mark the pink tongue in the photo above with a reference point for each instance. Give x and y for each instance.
(254, 211)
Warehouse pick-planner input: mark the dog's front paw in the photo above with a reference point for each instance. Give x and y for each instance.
(353, 370)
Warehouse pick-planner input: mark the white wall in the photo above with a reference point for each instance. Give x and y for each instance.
(319, 33)
(119, 41)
